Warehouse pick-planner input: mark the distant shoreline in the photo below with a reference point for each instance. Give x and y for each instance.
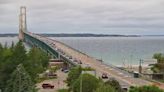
(83, 35)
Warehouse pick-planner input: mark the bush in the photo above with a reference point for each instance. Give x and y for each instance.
(145, 89)
(73, 75)
(63, 90)
(105, 88)
(86, 83)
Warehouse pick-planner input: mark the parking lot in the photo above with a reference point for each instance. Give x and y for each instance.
(58, 83)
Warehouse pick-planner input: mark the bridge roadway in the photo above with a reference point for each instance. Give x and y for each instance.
(123, 77)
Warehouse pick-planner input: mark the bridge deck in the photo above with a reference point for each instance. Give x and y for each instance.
(123, 77)
(65, 51)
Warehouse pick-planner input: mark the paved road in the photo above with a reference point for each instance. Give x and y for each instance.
(58, 83)
(124, 78)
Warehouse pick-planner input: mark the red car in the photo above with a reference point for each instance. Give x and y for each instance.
(47, 85)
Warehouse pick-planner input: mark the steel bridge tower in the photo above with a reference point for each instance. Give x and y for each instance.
(22, 22)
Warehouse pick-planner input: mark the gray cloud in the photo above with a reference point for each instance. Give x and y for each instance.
(5, 1)
(98, 16)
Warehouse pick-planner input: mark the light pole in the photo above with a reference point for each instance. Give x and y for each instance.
(140, 66)
(81, 85)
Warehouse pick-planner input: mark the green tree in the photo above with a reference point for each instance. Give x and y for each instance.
(1, 51)
(6, 66)
(20, 81)
(36, 62)
(145, 89)
(6, 45)
(114, 83)
(12, 46)
(19, 54)
(86, 83)
(9, 61)
(73, 75)
(159, 57)
(105, 88)
(159, 66)
(63, 90)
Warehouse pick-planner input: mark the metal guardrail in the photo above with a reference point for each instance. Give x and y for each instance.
(151, 80)
(62, 56)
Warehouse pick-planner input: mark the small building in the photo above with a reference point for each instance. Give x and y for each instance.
(136, 75)
(158, 76)
(56, 62)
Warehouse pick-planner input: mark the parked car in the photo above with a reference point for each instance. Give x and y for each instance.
(52, 75)
(104, 76)
(47, 85)
(87, 66)
(79, 62)
(64, 68)
(75, 60)
(66, 71)
(70, 57)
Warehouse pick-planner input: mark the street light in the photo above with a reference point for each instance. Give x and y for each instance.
(81, 83)
(140, 66)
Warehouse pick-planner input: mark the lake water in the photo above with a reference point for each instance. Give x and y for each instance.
(112, 50)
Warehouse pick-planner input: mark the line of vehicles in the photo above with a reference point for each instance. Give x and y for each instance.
(52, 44)
(51, 86)
(64, 54)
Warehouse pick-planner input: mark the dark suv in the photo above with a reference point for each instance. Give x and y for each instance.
(47, 85)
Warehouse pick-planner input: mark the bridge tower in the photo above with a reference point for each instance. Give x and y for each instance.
(22, 22)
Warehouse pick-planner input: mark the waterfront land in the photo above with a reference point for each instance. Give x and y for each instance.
(35, 57)
(75, 35)
(82, 35)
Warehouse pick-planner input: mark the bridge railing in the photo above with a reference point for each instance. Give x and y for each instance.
(46, 46)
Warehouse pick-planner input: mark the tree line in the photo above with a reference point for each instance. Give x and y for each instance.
(84, 82)
(159, 66)
(19, 69)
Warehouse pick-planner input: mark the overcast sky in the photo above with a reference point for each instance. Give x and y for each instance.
(85, 16)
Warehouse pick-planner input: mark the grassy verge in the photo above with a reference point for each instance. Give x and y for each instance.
(63, 90)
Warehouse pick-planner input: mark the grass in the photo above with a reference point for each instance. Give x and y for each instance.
(88, 69)
(161, 81)
(63, 90)
(39, 80)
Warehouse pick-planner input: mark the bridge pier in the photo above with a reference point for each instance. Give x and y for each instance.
(58, 55)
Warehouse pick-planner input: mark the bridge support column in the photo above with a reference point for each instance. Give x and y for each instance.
(52, 56)
(58, 55)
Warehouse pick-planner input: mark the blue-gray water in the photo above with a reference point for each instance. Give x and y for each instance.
(116, 50)
(113, 50)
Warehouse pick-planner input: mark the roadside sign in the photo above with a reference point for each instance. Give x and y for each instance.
(150, 61)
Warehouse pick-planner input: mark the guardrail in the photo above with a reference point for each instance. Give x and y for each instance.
(52, 48)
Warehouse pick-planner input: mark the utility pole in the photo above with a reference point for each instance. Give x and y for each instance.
(140, 66)
(81, 85)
